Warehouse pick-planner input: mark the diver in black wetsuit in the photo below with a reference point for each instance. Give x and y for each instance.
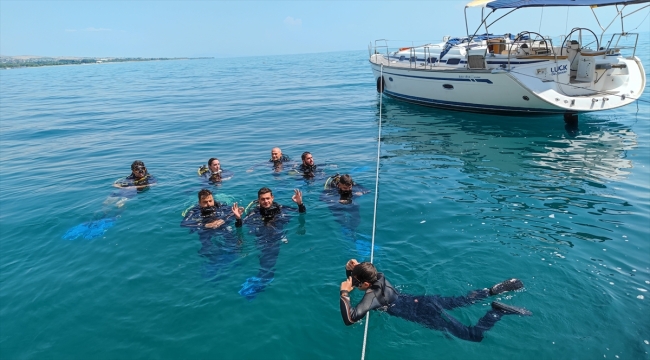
(277, 161)
(213, 172)
(266, 221)
(139, 178)
(308, 169)
(428, 310)
(208, 218)
(338, 193)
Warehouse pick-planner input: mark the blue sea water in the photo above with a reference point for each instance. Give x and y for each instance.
(464, 201)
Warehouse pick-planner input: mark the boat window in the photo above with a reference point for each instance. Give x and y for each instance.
(414, 59)
(448, 86)
(401, 58)
(453, 61)
(432, 60)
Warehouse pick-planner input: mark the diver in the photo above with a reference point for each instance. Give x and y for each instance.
(139, 179)
(209, 218)
(128, 187)
(427, 310)
(277, 161)
(345, 187)
(213, 172)
(308, 169)
(338, 194)
(266, 221)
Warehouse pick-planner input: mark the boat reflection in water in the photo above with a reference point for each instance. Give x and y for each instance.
(521, 177)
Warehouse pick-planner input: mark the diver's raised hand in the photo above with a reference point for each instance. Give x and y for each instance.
(351, 264)
(297, 196)
(237, 211)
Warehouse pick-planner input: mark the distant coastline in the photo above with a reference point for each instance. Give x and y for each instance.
(11, 62)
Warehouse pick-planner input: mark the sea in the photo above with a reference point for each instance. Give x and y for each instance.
(457, 202)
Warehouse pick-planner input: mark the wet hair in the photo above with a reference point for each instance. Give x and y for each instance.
(211, 160)
(304, 155)
(346, 180)
(204, 193)
(365, 272)
(263, 191)
(136, 164)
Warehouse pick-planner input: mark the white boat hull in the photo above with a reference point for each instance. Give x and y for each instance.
(536, 87)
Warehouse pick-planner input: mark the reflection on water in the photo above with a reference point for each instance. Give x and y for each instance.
(529, 176)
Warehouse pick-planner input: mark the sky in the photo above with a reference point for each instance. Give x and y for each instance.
(252, 28)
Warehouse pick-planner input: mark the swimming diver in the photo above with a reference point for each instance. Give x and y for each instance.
(129, 187)
(277, 161)
(213, 172)
(266, 221)
(428, 310)
(308, 169)
(338, 193)
(209, 219)
(139, 179)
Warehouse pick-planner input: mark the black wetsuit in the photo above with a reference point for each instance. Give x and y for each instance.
(428, 310)
(347, 213)
(217, 177)
(129, 184)
(267, 225)
(309, 171)
(219, 256)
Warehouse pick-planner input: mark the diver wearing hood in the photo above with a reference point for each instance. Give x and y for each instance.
(139, 178)
(428, 310)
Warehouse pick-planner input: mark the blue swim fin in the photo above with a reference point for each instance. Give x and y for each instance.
(252, 286)
(89, 230)
(76, 231)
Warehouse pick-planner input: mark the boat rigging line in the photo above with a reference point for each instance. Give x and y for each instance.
(374, 216)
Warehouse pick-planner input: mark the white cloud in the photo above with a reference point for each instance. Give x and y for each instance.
(92, 29)
(292, 22)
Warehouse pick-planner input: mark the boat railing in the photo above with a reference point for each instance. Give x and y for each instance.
(531, 44)
(615, 47)
(378, 46)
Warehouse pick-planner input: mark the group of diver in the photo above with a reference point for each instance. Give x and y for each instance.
(266, 219)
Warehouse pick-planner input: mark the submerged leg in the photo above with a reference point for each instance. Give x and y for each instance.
(270, 249)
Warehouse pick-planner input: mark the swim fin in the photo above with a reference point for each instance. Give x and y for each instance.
(510, 310)
(89, 230)
(508, 285)
(252, 286)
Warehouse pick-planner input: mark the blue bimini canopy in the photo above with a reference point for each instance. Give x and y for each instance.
(513, 4)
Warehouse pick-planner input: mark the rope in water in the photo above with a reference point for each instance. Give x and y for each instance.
(374, 216)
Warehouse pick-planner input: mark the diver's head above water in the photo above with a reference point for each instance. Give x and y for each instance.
(364, 275)
(344, 185)
(206, 202)
(276, 154)
(265, 197)
(138, 170)
(307, 159)
(214, 165)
